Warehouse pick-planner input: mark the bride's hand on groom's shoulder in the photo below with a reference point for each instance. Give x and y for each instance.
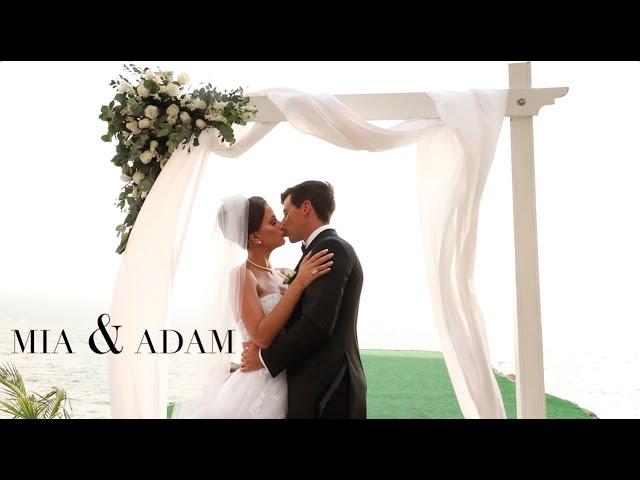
(313, 267)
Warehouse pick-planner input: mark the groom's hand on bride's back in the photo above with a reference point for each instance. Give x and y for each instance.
(250, 360)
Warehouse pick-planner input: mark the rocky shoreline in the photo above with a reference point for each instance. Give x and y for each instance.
(512, 378)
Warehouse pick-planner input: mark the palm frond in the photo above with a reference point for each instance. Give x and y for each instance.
(11, 409)
(53, 403)
(25, 407)
(11, 381)
(22, 405)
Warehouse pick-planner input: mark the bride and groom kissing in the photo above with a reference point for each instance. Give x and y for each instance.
(300, 354)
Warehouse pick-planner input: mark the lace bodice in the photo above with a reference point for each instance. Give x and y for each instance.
(268, 303)
(254, 394)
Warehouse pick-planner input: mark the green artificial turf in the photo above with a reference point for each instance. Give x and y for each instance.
(416, 384)
(406, 384)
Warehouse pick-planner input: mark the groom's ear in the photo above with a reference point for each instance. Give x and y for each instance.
(307, 207)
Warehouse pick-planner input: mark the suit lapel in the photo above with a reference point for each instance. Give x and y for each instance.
(320, 236)
(325, 233)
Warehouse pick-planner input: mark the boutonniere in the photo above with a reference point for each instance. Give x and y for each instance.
(288, 277)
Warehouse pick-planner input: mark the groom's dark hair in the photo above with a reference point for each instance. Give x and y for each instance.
(320, 194)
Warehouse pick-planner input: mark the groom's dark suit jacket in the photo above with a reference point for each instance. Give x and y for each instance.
(319, 345)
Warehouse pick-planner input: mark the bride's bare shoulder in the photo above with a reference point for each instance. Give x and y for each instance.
(241, 271)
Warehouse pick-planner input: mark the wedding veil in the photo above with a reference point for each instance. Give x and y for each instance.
(207, 297)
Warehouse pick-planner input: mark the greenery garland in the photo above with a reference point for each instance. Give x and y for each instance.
(150, 120)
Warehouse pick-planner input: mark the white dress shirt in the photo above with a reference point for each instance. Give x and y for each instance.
(306, 242)
(315, 233)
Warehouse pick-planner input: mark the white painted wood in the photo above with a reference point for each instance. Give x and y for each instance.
(530, 395)
(403, 106)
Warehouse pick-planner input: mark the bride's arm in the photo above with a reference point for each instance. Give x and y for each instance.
(265, 328)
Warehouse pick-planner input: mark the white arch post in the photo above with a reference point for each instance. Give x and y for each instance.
(523, 103)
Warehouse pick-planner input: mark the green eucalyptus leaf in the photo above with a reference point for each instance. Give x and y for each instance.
(145, 184)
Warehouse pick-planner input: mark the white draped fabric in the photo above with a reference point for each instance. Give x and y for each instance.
(454, 155)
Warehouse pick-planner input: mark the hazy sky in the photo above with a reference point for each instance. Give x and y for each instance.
(58, 187)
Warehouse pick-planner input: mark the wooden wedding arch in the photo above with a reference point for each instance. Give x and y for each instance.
(523, 104)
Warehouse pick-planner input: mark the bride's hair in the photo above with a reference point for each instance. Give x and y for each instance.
(254, 219)
(257, 206)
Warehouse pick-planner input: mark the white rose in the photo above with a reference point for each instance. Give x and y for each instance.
(183, 78)
(125, 178)
(142, 91)
(173, 90)
(157, 97)
(133, 127)
(201, 104)
(200, 123)
(151, 111)
(220, 105)
(151, 75)
(172, 119)
(124, 88)
(144, 123)
(146, 156)
(173, 110)
(138, 177)
(153, 145)
(185, 117)
(162, 89)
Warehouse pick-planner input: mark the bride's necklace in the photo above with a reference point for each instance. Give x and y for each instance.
(260, 266)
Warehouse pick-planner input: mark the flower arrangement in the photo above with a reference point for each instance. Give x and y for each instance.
(151, 119)
(289, 276)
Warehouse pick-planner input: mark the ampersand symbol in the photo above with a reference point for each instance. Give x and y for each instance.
(105, 335)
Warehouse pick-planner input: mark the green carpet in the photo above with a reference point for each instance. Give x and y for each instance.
(416, 384)
(405, 384)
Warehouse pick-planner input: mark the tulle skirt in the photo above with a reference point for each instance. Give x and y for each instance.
(253, 394)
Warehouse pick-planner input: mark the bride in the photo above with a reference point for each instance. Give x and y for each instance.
(264, 305)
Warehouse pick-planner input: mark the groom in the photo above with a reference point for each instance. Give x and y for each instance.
(319, 346)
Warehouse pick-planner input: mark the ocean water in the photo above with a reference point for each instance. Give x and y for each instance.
(83, 373)
(604, 383)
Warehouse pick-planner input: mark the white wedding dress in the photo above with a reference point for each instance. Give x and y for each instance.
(253, 394)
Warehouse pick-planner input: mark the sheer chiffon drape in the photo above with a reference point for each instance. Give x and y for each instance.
(454, 156)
